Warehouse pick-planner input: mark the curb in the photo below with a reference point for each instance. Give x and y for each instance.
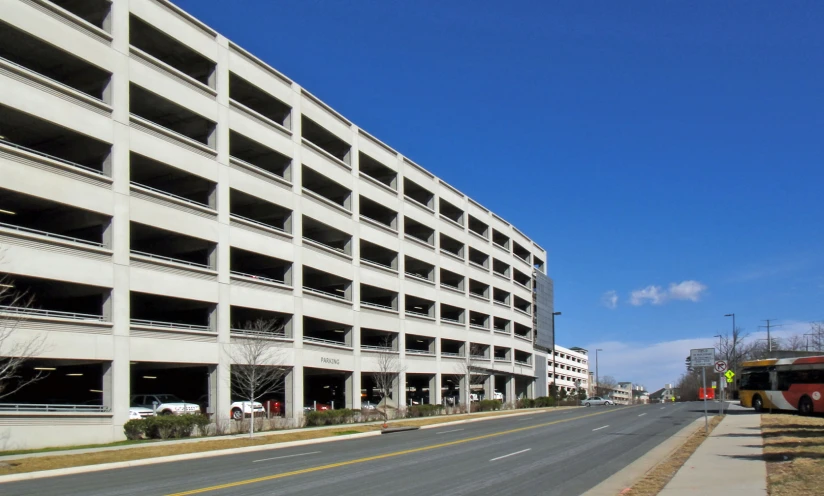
(390, 430)
(621, 481)
(174, 458)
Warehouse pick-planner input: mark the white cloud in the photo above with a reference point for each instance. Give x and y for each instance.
(684, 290)
(651, 294)
(610, 299)
(656, 364)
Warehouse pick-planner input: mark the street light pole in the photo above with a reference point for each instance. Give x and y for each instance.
(597, 380)
(554, 357)
(720, 380)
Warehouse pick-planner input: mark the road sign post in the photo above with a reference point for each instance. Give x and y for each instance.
(703, 357)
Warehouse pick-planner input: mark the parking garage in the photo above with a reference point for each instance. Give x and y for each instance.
(174, 313)
(58, 385)
(170, 181)
(418, 193)
(419, 306)
(50, 61)
(152, 242)
(419, 268)
(258, 155)
(95, 12)
(420, 389)
(31, 134)
(378, 340)
(22, 212)
(378, 255)
(326, 235)
(262, 102)
(167, 49)
(418, 231)
(325, 389)
(321, 185)
(52, 298)
(326, 332)
(326, 284)
(377, 171)
(260, 267)
(324, 139)
(259, 323)
(258, 211)
(168, 114)
(186, 382)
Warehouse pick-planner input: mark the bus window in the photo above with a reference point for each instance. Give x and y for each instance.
(755, 380)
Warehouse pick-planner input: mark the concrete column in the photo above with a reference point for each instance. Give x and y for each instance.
(509, 391)
(108, 384)
(348, 392)
(462, 390)
(211, 408)
(435, 389)
(489, 386)
(399, 391)
(356, 387)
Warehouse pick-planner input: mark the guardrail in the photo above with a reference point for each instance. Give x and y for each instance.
(450, 354)
(419, 352)
(479, 357)
(170, 259)
(50, 313)
(252, 332)
(454, 321)
(525, 338)
(255, 222)
(416, 276)
(172, 195)
(252, 276)
(377, 263)
(326, 341)
(324, 293)
(169, 325)
(478, 326)
(522, 362)
(419, 314)
(377, 305)
(51, 157)
(50, 235)
(376, 348)
(339, 250)
(456, 288)
(48, 408)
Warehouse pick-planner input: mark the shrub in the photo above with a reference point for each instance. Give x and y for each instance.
(489, 405)
(544, 401)
(423, 410)
(330, 417)
(135, 429)
(526, 403)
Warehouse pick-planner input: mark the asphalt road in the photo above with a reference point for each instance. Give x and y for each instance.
(558, 453)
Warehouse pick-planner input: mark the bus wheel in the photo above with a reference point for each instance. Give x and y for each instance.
(758, 403)
(805, 406)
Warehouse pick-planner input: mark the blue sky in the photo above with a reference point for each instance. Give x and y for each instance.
(647, 144)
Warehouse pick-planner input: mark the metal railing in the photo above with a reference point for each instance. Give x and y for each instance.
(324, 293)
(450, 286)
(519, 283)
(252, 332)
(257, 168)
(501, 331)
(451, 354)
(40, 74)
(48, 408)
(527, 312)
(480, 266)
(377, 263)
(522, 362)
(50, 313)
(499, 245)
(476, 295)
(339, 250)
(454, 321)
(419, 314)
(52, 157)
(479, 326)
(452, 253)
(170, 259)
(376, 221)
(377, 348)
(377, 305)
(257, 223)
(326, 341)
(419, 352)
(416, 276)
(50, 235)
(261, 278)
(170, 325)
(525, 338)
(502, 359)
(171, 195)
(479, 357)
(419, 240)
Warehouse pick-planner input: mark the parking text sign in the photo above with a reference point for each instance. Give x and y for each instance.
(702, 357)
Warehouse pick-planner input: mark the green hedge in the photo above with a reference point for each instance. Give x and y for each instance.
(488, 405)
(331, 417)
(424, 410)
(541, 402)
(165, 426)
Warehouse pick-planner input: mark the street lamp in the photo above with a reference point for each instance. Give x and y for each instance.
(554, 356)
(597, 380)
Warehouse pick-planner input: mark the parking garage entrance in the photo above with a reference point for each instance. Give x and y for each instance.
(325, 389)
(420, 389)
(187, 382)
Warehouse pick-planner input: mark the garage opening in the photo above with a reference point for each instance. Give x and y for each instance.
(57, 386)
(164, 386)
(325, 389)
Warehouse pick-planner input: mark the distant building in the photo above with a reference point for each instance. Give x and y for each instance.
(571, 369)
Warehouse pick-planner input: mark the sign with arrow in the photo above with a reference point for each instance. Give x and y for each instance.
(720, 366)
(729, 375)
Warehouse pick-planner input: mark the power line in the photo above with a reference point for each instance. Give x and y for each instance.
(769, 326)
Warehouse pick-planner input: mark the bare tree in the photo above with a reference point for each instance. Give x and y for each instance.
(389, 370)
(815, 340)
(606, 383)
(258, 363)
(472, 370)
(793, 343)
(14, 349)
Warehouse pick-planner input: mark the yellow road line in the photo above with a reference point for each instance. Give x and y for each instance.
(378, 457)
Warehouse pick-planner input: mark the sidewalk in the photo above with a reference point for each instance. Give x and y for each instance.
(730, 462)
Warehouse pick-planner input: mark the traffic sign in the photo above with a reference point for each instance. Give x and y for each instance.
(714, 385)
(720, 366)
(702, 357)
(729, 381)
(729, 375)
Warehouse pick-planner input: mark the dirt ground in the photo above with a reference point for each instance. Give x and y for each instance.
(794, 450)
(654, 481)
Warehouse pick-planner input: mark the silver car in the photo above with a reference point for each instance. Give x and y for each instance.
(597, 400)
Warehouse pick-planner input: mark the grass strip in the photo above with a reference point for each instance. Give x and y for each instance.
(794, 452)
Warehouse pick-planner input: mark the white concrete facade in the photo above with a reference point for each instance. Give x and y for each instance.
(488, 300)
(571, 366)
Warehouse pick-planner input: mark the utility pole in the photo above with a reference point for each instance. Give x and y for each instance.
(769, 339)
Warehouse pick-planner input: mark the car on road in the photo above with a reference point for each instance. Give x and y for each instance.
(597, 400)
(165, 404)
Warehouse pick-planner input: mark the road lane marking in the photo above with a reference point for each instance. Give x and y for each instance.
(599, 428)
(511, 454)
(287, 456)
(642, 415)
(447, 432)
(663, 407)
(380, 457)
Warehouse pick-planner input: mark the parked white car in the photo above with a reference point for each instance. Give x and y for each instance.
(139, 412)
(497, 395)
(473, 397)
(165, 404)
(597, 400)
(242, 409)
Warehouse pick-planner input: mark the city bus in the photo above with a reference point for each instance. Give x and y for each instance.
(793, 384)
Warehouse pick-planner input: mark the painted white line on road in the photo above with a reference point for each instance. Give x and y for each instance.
(511, 454)
(663, 407)
(447, 432)
(642, 415)
(599, 428)
(287, 456)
